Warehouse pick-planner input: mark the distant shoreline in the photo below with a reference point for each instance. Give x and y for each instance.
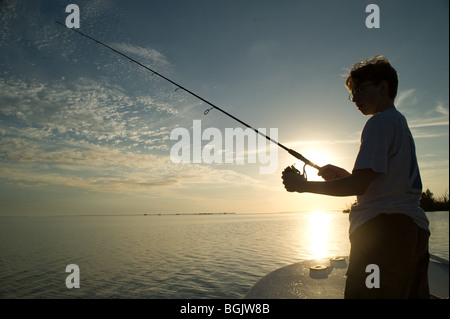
(185, 214)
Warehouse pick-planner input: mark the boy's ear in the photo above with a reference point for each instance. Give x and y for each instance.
(384, 86)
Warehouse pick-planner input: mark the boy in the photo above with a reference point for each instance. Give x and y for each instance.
(387, 227)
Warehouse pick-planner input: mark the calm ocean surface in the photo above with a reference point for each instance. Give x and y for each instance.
(169, 256)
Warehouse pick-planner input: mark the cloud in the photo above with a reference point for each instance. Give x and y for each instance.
(94, 9)
(90, 133)
(84, 110)
(93, 136)
(430, 122)
(106, 169)
(406, 96)
(440, 108)
(8, 12)
(148, 54)
(436, 116)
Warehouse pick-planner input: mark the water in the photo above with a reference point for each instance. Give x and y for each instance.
(171, 256)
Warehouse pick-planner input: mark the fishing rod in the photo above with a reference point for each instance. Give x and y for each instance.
(290, 151)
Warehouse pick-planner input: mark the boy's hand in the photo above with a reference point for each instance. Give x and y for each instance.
(330, 172)
(292, 180)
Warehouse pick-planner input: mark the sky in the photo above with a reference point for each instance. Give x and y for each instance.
(85, 131)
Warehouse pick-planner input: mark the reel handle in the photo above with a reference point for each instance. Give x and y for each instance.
(294, 170)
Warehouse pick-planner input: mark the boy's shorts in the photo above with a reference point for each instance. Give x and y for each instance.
(399, 248)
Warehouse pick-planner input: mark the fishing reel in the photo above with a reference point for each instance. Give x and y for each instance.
(293, 169)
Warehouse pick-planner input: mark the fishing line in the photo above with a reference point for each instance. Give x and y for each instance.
(212, 106)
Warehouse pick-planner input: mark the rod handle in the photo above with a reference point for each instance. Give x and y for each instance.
(303, 159)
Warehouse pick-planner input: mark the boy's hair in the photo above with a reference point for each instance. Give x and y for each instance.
(375, 70)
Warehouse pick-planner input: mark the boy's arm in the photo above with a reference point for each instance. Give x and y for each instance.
(329, 172)
(353, 184)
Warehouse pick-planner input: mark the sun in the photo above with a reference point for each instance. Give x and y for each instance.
(318, 157)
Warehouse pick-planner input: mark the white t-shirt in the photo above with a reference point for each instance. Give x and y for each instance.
(387, 147)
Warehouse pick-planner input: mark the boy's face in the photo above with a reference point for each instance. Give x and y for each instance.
(368, 97)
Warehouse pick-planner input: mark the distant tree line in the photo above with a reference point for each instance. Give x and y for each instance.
(430, 204)
(427, 202)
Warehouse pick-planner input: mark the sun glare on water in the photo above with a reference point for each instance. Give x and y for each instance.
(318, 234)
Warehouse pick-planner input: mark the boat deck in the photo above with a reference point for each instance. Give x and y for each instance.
(325, 279)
